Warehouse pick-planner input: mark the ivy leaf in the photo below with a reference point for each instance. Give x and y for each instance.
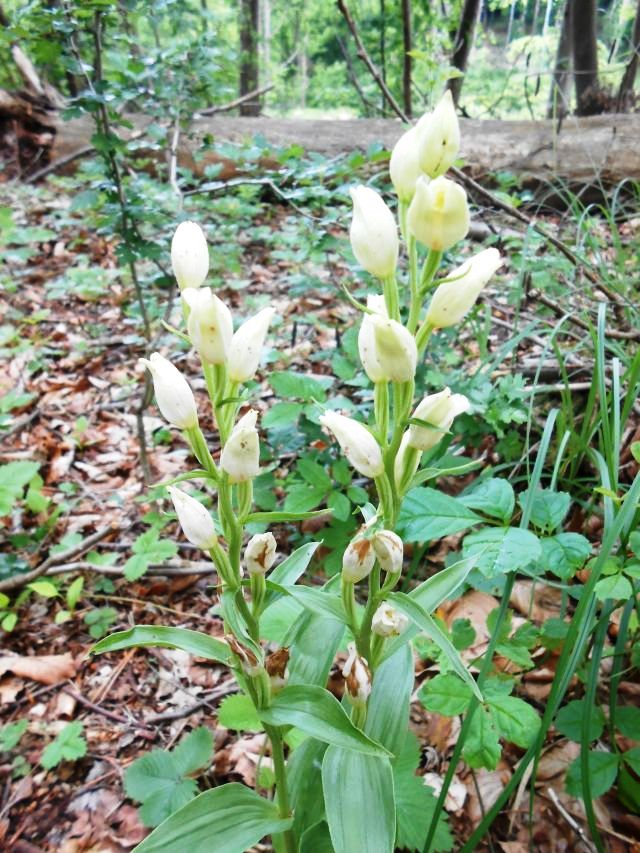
(148, 549)
(68, 746)
(603, 769)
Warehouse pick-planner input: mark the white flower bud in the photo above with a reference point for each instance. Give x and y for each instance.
(440, 410)
(210, 325)
(356, 442)
(358, 559)
(189, 255)
(366, 340)
(404, 167)
(240, 457)
(406, 462)
(396, 349)
(439, 138)
(173, 395)
(246, 346)
(374, 235)
(260, 553)
(453, 299)
(438, 216)
(358, 677)
(389, 550)
(388, 622)
(195, 519)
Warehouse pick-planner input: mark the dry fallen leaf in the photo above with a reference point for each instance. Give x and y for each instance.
(47, 669)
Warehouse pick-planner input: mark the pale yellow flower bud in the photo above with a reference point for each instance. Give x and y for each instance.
(189, 255)
(366, 340)
(358, 677)
(356, 442)
(389, 551)
(453, 299)
(260, 553)
(404, 167)
(173, 395)
(373, 233)
(388, 622)
(358, 559)
(396, 349)
(210, 325)
(440, 410)
(240, 457)
(246, 346)
(195, 519)
(438, 216)
(439, 138)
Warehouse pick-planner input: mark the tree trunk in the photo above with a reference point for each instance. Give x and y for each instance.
(249, 78)
(463, 44)
(558, 104)
(383, 53)
(625, 92)
(407, 59)
(585, 56)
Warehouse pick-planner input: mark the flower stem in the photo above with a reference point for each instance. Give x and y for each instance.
(282, 789)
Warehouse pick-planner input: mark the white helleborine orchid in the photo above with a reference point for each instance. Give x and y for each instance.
(189, 255)
(358, 559)
(195, 519)
(356, 442)
(389, 551)
(358, 676)
(173, 395)
(366, 339)
(438, 216)
(240, 457)
(373, 233)
(246, 346)
(453, 299)
(404, 168)
(260, 553)
(209, 325)
(440, 410)
(388, 622)
(439, 138)
(395, 349)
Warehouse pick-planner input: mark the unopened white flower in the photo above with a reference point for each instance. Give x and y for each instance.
(453, 299)
(195, 519)
(439, 138)
(404, 167)
(358, 559)
(210, 325)
(388, 622)
(173, 395)
(373, 233)
(358, 677)
(260, 553)
(440, 410)
(356, 442)
(438, 215)
(366, 339)
(389, 551)
(246, 346)
(189, 255)
(395, 349)
(240, 457)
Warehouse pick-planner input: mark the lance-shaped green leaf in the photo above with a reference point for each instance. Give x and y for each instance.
(289, 570)
(360, 802)
(313, 599)
(231, 817)
(318, 713)
(194, 642)
(427, 624)
(388, 705)
(277, 517)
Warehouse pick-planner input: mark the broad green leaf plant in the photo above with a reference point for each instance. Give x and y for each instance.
(344, 782)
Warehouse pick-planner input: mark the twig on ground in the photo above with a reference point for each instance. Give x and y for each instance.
(85, 151)
(224, 689)
(538, 296)
(575, 826)
(98, 709)
(170, 569)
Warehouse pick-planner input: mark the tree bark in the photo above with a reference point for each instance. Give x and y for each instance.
(249, 76)
(407, 41)
(463, 44)
(558, 104)
(625, 92)
(585, 56)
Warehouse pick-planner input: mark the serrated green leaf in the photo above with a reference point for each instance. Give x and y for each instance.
(564, 553)
(429, 514)
(238, 712)
(616, 587)
(482, 746)
(632, 759)
(570, 717)
(11, 734)
(628, 721)
(446, 694)
(194, 751)
(494, 497)
(603, 769)
(516, 720)
(502, 549)
(69, 745)
(549, 508)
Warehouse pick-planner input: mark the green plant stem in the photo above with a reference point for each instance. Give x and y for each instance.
(385, 491)
(429, 271)
(415, 304)
(390, 290)
(422, 338)
(349, 602)
(282, 789)
(616, 672)
(201, 451)
(381, 411)
(373, 600)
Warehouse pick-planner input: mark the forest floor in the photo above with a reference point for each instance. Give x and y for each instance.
(78, 420)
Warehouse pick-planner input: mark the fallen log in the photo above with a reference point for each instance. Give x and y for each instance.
(596, 151)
